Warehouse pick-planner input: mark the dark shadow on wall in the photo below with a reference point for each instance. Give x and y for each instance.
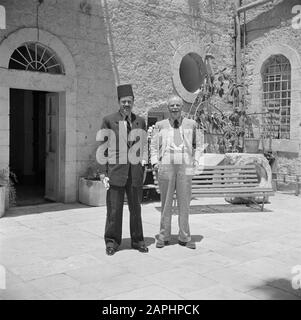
(268, 20)
(275, 289)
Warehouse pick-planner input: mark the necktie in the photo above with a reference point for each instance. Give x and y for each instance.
(128, 125)
(177, 134)
(129, 128)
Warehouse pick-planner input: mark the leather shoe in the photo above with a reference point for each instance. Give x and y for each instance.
(141, 248)
(189, 244)
(160, 244)
(110, 251)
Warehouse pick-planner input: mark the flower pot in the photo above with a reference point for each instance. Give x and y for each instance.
(92, 192)
(252, 145)
(2, 201)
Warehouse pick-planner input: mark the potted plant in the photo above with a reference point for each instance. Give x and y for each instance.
(7, 190)
(91, 188)
(248, 123)
(222, 131)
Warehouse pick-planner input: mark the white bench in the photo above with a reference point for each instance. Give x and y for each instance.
(227, 181)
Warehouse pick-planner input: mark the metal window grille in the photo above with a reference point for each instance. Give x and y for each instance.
(34, 56)
(276, 77)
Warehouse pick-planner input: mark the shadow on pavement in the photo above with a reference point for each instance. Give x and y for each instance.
(37, 209)
(126, 243)
(174, 239)
(220, 208)
(276, 289)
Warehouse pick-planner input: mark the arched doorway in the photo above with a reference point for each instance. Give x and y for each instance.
(33, 155)
(37, 108)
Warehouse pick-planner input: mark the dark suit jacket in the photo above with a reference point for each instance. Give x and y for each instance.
(118, 172)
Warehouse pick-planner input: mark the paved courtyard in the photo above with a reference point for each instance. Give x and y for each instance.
(56, 251)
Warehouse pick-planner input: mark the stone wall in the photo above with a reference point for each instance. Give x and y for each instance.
(135, 41)
(83, 31)
(114, 42)
(146, 35)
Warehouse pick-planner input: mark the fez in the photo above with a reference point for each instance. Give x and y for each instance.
(125, 90)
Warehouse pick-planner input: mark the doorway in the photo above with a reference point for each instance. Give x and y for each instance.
(33, 134)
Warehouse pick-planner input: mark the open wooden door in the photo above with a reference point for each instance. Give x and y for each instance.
(52, 145)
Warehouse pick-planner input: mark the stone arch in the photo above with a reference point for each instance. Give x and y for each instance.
(256, 89)
(34, 56)
(21, 36)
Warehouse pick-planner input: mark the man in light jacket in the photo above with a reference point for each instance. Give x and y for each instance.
(176, 147)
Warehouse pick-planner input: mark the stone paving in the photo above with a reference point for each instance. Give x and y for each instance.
(56, 251)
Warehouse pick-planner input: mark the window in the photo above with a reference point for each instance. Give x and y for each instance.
(34, 56)
(276, 76)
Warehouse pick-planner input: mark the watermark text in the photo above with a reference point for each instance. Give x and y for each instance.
(133, 147)
(296, 280)
(2, 278)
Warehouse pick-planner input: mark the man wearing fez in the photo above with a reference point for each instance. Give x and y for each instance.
(123, 174)
(175, 150)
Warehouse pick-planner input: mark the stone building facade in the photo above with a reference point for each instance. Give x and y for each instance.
(270, 33)
(158, 46)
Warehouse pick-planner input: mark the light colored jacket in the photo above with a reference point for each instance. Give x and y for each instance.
(193, 140)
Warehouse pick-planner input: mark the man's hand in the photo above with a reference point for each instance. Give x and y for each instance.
(105, 181)
(155, 166)
(143, 163)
